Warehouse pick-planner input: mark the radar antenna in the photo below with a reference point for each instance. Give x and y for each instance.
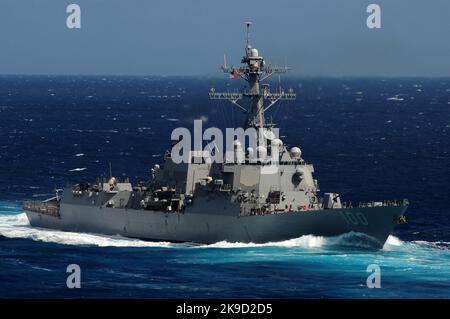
(253, 70)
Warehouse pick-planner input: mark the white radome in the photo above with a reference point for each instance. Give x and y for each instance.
(295, 152)
(277, 142)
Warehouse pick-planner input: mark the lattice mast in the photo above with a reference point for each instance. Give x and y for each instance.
(254, 70)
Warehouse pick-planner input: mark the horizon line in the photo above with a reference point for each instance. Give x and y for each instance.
(222, 77)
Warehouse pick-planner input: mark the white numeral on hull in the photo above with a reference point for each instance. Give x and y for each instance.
(357, 218)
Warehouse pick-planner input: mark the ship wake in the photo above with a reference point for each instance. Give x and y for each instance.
(17, 226)
(348, 240)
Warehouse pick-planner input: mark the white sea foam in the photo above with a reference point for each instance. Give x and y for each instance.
(308, 241)
(42, 195)
(395, 98)
(78, 169)
(78, 239)
(443, 245)
(17, 226)
(392, 243)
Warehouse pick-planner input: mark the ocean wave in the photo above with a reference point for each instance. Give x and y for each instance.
(309, 241)
(13, 220)
(43, 195)
(8, 208)
(78, 169)
(393, 241)
(17, 226)
(76, 239)
(443, 245)
(356, 240)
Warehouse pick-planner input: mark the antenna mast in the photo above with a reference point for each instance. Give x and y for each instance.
(247, 38)
(254, 70)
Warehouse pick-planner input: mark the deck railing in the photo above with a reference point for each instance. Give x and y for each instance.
(42, 208)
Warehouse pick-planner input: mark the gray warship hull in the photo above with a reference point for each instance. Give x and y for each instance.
(210, 222)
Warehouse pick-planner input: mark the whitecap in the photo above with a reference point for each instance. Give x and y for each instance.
(395, 98)
(392, 241)
(350, 239)
(42, 195)
(77, 169)
(309, 241)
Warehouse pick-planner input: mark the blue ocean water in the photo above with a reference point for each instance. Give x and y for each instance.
(370, 139)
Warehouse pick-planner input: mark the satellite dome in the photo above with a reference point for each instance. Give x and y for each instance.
(253, 52)
(295, 152)
(277, 142)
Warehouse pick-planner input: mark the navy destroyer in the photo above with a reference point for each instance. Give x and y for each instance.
(262, 193)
